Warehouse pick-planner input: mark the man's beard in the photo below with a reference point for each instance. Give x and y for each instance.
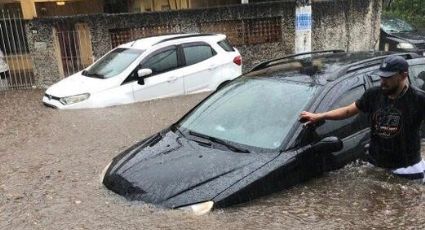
(389, 91)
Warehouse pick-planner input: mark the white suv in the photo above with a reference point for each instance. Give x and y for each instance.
(149, 68)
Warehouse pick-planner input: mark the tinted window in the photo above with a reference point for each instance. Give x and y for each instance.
(226, 46)
(162, 62)
(417, 75)
(195, 54)
(346, 127)
(253, 112)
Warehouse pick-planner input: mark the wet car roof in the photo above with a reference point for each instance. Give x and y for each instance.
(316, 68)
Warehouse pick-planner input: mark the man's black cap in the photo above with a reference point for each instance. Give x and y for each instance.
(391, 66)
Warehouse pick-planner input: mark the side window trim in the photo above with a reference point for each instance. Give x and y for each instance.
(189, 44)
(161, 50)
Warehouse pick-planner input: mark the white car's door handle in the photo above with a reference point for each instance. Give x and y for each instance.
(172, 79)
(211, 67)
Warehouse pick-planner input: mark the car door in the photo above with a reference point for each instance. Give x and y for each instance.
(165, 80)
(354, 131)
(201, 66)
(417, 78)
(417, 75)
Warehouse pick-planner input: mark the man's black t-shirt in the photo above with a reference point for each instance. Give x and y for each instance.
(395, 126)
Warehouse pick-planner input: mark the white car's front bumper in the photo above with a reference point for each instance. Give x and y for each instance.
(52, 102)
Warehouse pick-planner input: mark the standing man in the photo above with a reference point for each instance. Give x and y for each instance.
(396, 111)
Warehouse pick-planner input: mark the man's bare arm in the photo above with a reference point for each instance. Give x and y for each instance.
(336, 114)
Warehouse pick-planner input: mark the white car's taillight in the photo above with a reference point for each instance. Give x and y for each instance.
(237, 60)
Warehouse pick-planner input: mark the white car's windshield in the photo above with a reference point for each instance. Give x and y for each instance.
(252, 112)
(113, 63)
(395, 25)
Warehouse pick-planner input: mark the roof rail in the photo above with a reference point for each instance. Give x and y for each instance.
(266, 63)
(350, 68)
(183, 36)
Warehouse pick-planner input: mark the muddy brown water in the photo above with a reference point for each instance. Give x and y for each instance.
(50, 162)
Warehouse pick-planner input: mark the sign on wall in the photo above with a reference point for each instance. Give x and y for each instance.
(303, 29)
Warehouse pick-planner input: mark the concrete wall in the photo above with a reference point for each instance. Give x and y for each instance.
(41, 44)
(344, 24)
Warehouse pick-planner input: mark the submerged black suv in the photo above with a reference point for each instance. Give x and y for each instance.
(245, 140)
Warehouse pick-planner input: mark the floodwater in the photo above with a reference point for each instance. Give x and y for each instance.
(50, 162)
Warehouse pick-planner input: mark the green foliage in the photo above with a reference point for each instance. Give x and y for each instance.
(410, 10)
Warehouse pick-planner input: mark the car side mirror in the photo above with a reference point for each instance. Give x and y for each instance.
(142, 73)
(328, 144)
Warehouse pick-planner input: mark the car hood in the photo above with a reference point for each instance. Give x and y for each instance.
(172, 171)
(412, 37)
(79, 84)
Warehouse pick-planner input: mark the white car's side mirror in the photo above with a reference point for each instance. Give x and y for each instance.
(144, 72)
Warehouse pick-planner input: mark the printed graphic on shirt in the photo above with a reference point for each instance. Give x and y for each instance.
(387, 122)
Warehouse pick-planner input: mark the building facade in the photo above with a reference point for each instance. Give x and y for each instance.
(42, 49)
(48, 8)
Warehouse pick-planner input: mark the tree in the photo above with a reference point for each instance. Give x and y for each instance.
(410, 10)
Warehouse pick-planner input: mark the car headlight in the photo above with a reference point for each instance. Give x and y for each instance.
(74, 99)
(405, 45)
(200, 208)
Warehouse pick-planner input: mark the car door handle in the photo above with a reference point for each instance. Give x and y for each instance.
(211, 67)
(172, 79)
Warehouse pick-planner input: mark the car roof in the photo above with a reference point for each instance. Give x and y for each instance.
(321, 67)
(147, 42)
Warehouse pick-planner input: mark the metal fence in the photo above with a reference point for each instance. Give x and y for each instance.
(16, 68)
(120, 36)
(239, 32)
(247, 31)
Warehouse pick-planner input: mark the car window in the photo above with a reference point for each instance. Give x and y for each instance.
(346, 127)
(225, 44)
(162, 62)
(417, 75)
(256, 113)
(195, 54)
(113, 63)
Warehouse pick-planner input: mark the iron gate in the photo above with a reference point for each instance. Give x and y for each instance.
(16, 68)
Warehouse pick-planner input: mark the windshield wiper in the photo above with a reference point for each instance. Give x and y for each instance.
(177, 130)
(219, 141)
(88, 74)
(393, 31)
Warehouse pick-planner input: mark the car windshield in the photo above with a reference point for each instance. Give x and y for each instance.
(253, 112)
(395, 25)
(113, 63)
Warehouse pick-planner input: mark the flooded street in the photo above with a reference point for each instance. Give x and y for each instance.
(50, 162)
